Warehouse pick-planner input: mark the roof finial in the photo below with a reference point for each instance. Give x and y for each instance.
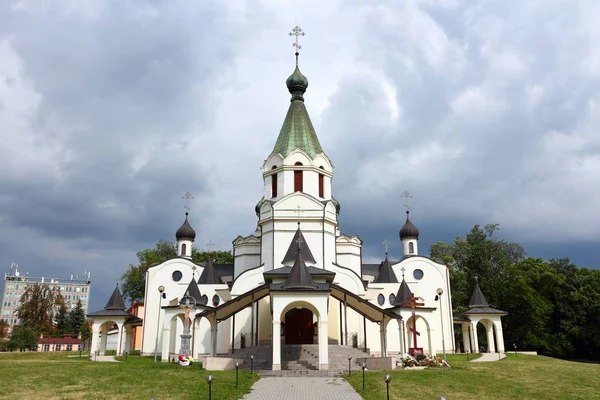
(187, 196)
(406, 194)
(297, 31)
(299, 242)
(385, 244)
(298, 211)
(210, 246)
(402, 269)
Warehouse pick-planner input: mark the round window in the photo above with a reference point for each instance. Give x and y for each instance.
(380, 299)
(177, 275)
(392, 298)
(418, 274)
(216, 300)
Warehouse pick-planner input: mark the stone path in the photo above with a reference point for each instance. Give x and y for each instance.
(104, 358)
(276, 388)
(488, 357)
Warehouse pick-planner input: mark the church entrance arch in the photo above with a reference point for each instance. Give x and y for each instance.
(299, 327)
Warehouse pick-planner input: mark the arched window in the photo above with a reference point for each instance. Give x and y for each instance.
(380, 299)
(183, 248)
(274, 185)
(298, 178)
(321, 184)
(411, 247)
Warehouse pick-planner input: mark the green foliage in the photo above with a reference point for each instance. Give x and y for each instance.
(22, 338)
(63, 324)
(86, 333)
(553, 306)
(3, 329)
(134, 279)
(40, 304)
(77, 318)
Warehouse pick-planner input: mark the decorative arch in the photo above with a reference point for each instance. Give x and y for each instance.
(424, 340)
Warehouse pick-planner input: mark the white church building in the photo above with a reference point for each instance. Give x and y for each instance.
(297, 280)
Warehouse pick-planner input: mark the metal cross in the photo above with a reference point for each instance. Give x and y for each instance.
(406, 194)
(402, 269)
(385, 244)
(210, 245)
(299, 210)
(187, 196)
(297, 31)
(193, 270)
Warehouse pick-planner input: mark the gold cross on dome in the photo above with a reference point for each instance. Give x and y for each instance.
(297, 31)
(406, 194)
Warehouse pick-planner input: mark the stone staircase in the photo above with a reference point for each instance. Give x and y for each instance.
(300, 359)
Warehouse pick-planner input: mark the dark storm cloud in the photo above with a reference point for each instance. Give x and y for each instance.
(109, 111)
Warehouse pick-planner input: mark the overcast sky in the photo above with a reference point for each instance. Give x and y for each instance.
(111, 110)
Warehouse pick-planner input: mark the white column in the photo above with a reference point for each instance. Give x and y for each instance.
(276, 345)
(499, 336)
(490, 338)
(475, 340)
(95, 339)
(382, 337)
(103, 340)
(466, 339)
(166, 338)
(119, 340)
(128, 331)
(323, 346)
(400, 336)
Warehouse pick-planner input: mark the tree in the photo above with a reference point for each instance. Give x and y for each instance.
(62, 323)
(39, 306)
(77, 318)
(134, 279)
(22, 338)
(86, 332)
(3, 329)
(479, 258)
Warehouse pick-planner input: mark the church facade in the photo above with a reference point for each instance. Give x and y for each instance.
(296, 278)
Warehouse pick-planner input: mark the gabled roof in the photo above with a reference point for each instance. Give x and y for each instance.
(192, 291)
(386, 273)
(299, 277)
(478, 299)
(297, 131)
(209, 274)
(403, 295)
(292, 252)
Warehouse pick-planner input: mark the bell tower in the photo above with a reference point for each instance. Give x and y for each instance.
(297, 179)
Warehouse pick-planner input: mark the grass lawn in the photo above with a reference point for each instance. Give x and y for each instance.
(520, 377)
(56, 376)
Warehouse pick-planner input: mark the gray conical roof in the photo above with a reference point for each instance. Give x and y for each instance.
(404, 293)
(292, 253)
(386, 273)
(192, 291)
(408, 230)
(116, 301)
(209, 274)
(299, 277)
(185, 231)
(478, 299)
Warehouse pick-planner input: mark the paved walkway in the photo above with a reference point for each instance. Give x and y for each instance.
(276, 388)
(104, 358)
(488, 357)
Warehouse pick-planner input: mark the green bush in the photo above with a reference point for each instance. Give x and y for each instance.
(110, 353)
(134, 353)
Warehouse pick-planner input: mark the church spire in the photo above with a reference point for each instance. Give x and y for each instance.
(297, 131)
